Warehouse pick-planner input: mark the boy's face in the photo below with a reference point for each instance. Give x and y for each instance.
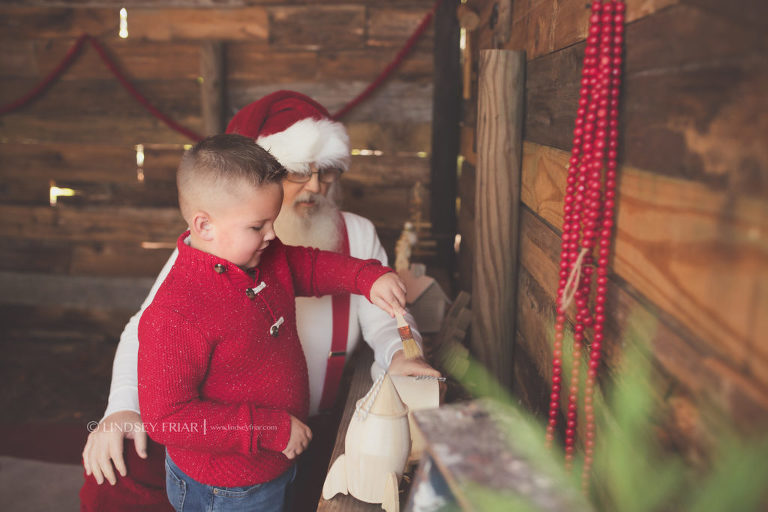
(243, 227)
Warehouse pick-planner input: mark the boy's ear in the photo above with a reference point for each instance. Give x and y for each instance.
(201, 226)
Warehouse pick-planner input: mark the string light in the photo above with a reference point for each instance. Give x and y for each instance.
(54, 193)
(140, 162)
(366, 152)
(123, 33)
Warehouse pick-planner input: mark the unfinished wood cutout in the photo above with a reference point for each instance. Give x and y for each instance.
(376, 449)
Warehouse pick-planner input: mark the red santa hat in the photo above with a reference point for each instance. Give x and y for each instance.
(296, 129)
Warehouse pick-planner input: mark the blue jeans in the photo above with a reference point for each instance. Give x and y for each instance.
(188, 495)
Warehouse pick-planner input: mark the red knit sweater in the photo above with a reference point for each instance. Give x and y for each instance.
(215, 386)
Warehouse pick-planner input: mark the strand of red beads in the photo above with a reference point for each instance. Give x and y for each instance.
(588, 197)
(613, 16)
(571, 217)
(588, 218)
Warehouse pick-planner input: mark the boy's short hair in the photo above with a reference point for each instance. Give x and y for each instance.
(223, 162)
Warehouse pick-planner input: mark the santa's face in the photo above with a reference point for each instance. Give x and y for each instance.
(302, 197)
(309, 214)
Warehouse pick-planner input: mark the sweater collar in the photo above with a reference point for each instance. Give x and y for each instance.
(200, 263)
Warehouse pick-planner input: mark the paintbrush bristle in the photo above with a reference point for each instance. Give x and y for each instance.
(411, 349)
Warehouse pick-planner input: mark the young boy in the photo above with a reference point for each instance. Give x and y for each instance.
(222, 377)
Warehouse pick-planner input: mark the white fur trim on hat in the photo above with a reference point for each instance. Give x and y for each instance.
(320, 141)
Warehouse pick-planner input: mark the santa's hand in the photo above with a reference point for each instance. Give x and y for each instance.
(105, 445)
(388, 292)
(400, 365)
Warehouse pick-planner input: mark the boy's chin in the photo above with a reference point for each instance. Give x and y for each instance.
(251, 265)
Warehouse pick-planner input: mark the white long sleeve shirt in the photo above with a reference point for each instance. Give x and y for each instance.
(314, 318)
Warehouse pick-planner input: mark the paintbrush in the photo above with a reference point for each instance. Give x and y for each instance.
(410, 347)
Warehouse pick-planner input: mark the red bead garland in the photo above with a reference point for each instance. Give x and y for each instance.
(588, 211)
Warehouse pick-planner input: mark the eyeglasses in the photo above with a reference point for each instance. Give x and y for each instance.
(328, 175)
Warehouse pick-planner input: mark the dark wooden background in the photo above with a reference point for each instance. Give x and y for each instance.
(71, 275)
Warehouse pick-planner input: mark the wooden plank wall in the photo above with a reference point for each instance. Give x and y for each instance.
(690, 260)
(113, 237)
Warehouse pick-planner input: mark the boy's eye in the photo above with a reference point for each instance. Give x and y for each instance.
(256, 228)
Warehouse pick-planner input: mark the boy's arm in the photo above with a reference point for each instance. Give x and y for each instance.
(378, 328)
(316, 273)
(123, 393)
(172, 410)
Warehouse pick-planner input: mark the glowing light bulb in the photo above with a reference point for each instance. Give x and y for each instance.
(123, 23)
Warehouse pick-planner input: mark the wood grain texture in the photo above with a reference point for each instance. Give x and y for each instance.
(690, 102)
(316, 27)
(163, 24)
(393, 102)
(42, 256)
(213, 78)
(473, 446)
(249, 62)
(94, 129)
(392, 26)
(387, 171)
(68, 100)
(386, 206)
(696, 253)
(117, 260)
(542, 26)
(390, 138)
(86, 162)
(686, 372)
(84, 292)
(139, 60)
(368, 63)
(246, 24)
(497, 192)
(203, 4)
(94, 224)
(58, 325)
(23, 23)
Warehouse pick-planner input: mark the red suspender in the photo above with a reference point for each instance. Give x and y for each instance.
(338, 354)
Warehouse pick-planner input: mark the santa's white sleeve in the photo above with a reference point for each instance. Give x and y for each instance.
(378, 328)
(124, 391)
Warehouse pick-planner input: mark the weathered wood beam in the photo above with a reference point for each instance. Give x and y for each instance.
(212, 86)
(446, 104)
(497, 199)
(689, 113)
(684, 247)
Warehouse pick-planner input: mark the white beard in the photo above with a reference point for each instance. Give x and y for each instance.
(314, 227)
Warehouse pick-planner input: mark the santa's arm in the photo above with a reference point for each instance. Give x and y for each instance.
(123, 392)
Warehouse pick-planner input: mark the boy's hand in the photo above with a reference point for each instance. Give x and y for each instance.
(388, 292)
(105, 445)
(299, 440)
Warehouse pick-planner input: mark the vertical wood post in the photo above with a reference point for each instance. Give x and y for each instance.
(212, 87)
(497, 208)
(446, 116)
